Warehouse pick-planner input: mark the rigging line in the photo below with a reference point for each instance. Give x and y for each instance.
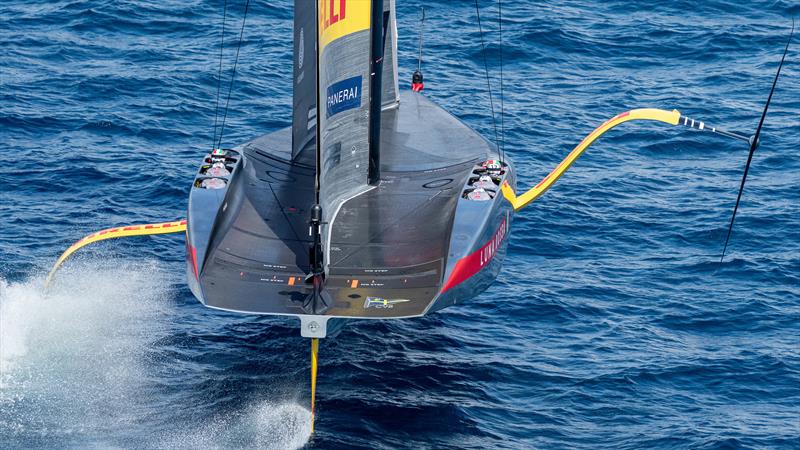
(486, 69)
(502, 109)
(754, 140)
(219, 71)
(233, 74)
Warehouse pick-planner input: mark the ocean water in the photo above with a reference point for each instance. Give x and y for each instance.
(613, 324)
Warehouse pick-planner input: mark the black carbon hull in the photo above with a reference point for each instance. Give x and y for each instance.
(409, 246)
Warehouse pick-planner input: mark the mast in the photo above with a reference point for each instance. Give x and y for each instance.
(354, 39)
(318, 120)
(379, 24)
(316, 252)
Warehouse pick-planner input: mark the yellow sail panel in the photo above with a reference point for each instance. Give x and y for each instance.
(338, 18)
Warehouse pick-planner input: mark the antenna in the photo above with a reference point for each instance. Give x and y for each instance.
(417, 80)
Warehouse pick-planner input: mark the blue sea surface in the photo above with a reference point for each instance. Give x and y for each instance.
(612, 325)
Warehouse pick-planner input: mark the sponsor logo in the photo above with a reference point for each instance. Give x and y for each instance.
(343, 95)
(487, 251)
(382, 303)
(476, 261)
(338, 18)
(332, 11)
(301, 49)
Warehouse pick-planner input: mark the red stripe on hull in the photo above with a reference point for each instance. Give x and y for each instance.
(193, 259)
(475, 262)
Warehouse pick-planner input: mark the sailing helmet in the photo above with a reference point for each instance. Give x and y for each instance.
(213, 183)
(493, 166)
(218, 169)
(485, 182)
(479, 194)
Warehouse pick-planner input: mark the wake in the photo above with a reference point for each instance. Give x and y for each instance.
(266, 425)
(76, 367)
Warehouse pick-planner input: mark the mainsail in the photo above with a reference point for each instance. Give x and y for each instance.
(304, 121)
(346, 29)
(304, 104)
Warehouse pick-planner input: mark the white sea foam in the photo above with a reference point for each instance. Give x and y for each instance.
(74, 366)
(266, 425)
(72, 358)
